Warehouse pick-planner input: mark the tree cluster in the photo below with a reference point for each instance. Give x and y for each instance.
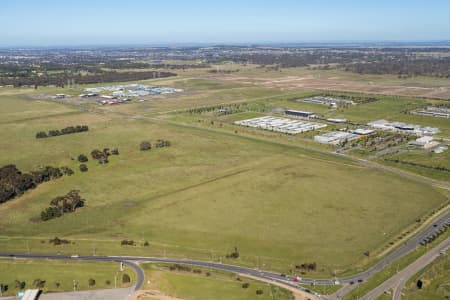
(162, 144)
(146, 145)
(57, 241)
(102, 155)
(14, 183)
(127, 243)
(62, 205)
(64, 131)
(307, 266)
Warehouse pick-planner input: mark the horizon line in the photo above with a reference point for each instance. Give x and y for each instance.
(442, 42)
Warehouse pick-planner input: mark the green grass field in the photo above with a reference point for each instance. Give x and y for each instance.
(281, 205)
(59, 276)
(215, 285)
(206, 194)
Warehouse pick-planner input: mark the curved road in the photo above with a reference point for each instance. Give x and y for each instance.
(437, 226)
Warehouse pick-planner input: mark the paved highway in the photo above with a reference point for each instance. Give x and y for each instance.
(438, 225)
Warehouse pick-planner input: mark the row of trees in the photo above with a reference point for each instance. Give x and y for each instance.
(60, 79)
(62, 205)
(406, 68)
(14, 183)
(40, 283)
(307, 266)
(67, 130)
(437, 168)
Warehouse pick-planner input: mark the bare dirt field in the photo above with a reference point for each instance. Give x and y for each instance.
(310, 82)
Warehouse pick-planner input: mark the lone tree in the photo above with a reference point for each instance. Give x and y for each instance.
(419, 284)
(39, 283)
(91, 282)
(20, 284)
(145, 146)
(82, 158)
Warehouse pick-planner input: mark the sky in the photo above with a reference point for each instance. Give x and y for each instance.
(140, 22)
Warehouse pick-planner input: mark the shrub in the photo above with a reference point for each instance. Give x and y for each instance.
(234, 254)
(67, 171)
(259, 292)
(245, 285)
(41, 135)
(145, 146)
(83, 168)
(126, 278)
(82, 158)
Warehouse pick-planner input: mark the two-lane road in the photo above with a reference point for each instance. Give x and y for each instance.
(398, 281)
(438, 225)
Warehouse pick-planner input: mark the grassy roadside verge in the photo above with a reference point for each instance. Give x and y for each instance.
(60, 276)
(392, 269)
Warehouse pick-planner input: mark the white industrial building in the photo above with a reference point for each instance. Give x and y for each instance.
(133, 90)
(426, 142)
(283, 125)
(339, 121)
(435, 111)
(335, 137)
(403, 127)
(328, 101)
(361, 131)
